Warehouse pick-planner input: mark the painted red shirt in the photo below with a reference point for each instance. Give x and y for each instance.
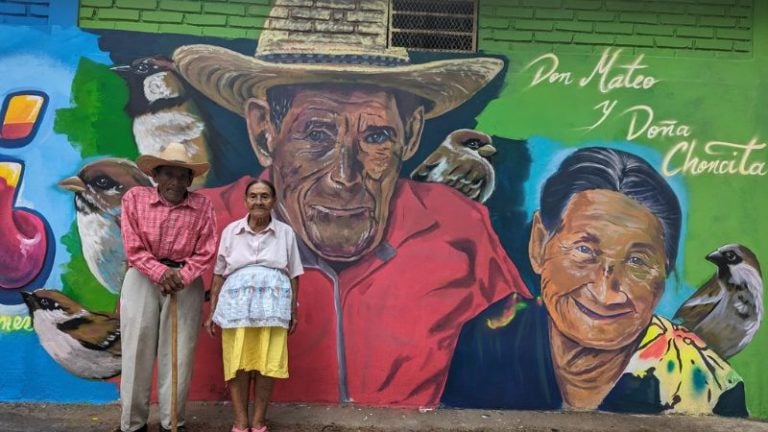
(401, 306)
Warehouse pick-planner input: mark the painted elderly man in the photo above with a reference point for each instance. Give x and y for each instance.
(393, 268)
(169, 234)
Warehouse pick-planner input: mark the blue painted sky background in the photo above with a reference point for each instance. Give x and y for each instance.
(45, 59)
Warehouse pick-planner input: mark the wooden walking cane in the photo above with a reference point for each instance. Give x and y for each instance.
(174, 362)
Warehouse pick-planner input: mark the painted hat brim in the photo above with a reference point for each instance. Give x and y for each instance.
(230, 78)
(147, 164)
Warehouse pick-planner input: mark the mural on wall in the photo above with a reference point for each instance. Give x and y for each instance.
(25, 251)
(21, 116)
(603, 242)
(84, 343)
(45, 295)
(455, 163)
(447, 263)
(99, 188)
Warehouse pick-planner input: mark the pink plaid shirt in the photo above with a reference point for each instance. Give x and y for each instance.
(153, 229)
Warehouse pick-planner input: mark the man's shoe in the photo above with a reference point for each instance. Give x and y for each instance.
(178, 429)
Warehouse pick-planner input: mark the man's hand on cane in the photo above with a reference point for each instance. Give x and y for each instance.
(171, 281)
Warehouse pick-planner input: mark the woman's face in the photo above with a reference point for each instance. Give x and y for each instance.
(603, 270)
(259, 200)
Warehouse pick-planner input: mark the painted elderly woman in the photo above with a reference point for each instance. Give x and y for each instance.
(254, 292)
(604, 242)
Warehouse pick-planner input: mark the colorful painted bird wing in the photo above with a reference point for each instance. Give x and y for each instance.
(95, 331)
(700, 304)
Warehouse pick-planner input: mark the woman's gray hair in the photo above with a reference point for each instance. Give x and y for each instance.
(614, 170)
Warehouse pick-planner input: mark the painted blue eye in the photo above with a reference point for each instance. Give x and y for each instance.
(637, 261)
(377, 138)
(586, 250)
(318, 135)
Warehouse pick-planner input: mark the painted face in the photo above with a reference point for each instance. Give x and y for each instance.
(602, 272)
(172, 182)
(259, 200)
(336, 161)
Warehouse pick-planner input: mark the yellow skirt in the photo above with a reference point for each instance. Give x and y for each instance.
(262, 349)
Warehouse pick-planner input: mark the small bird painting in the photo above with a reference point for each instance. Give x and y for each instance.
(163, 111)
(727, 310)
(87, 344)
(461, 161)
(99, 188)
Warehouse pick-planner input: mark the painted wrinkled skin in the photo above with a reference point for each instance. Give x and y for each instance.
(335, 162)
(602, 272)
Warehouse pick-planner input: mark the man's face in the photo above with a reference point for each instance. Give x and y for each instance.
(172, 182)
(602, 272)
(336, 160)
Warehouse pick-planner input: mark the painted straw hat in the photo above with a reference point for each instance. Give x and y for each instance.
(174, 154)
(286, 56)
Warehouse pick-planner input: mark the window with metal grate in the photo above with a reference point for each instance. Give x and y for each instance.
(433, 25)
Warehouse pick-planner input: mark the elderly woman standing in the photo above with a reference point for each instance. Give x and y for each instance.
(254, 293)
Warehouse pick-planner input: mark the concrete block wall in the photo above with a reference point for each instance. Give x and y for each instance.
(237, 18)
(722, 28)
(229, 19)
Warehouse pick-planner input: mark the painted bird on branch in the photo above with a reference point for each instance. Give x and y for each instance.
(85, 343)
(99, 188)
(727, 310)
(163, 111)
(461, 161)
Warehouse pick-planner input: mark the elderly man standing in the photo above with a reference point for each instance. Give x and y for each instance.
(169, 235)
(393, 268)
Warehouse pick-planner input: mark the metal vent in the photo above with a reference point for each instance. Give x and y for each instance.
(433, 25)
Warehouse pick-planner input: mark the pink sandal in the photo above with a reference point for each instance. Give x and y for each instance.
(237, 429)
(261, 429)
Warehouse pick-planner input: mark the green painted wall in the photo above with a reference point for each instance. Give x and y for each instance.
(709, 75)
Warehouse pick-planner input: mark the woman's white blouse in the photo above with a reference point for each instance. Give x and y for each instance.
(273, 247)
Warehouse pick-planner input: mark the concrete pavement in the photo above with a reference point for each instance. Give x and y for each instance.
(306, 418)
